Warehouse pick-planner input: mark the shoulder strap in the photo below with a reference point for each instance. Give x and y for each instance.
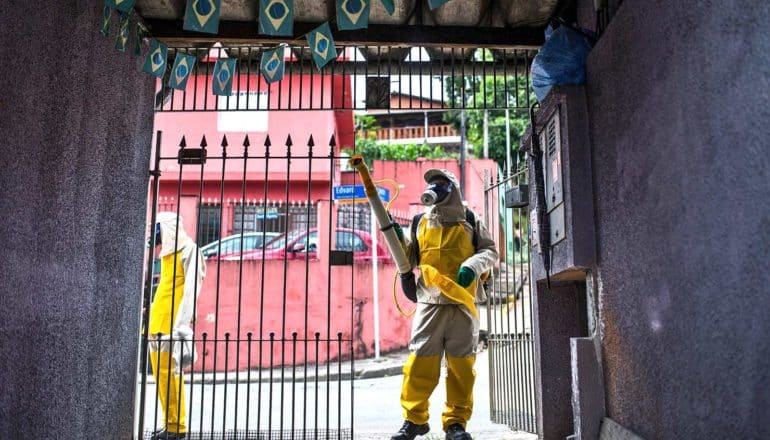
(471, 219)
(415, 224)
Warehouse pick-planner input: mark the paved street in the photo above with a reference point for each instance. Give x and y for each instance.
(322, 405)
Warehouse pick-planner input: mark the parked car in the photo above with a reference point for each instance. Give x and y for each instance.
(297, 243)
(231, 245)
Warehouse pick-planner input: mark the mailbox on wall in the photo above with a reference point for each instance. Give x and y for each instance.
(561, 126)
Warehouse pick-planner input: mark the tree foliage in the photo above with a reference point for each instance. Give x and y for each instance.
(497, 92)
(367, 146)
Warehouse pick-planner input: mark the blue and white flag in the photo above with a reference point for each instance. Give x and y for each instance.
(436, 3)
(106, 16)
(183, 65)
(224, 72)
(155, 63)
(120, 5)
(322, 45)
(352, 14)
(121, 41)
(272, 65)
(202, 16)
(276, 17)
(389, 6)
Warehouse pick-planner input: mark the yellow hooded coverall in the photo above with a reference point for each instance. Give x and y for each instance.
(182, 269)
(446, 320)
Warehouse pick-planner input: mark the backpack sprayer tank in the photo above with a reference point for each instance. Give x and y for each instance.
(386, 223)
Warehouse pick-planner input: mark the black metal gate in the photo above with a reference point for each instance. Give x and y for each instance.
(509, 309)
(269, 364)
(277, 327)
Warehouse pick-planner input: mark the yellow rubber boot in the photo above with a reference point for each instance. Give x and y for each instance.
(170, 391)
(459, 390)
(421, 374)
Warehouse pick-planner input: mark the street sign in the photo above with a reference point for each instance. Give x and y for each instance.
(351, 193)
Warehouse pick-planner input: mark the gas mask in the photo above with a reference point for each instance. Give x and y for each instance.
(436, 192)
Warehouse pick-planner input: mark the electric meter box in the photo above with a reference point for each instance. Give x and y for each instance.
(562, 129)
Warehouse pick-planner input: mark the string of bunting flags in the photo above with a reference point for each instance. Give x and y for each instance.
(276, 18)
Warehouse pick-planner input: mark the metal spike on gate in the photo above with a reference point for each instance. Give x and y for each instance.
(183, 142)
(332, 142)
(246, 142)
(224, 140)
(203, 142)
(289, 143)
(311, 142)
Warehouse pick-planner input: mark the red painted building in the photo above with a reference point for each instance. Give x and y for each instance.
(272, 193)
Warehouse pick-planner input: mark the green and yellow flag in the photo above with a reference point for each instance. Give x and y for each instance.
(272, 65)
(224, 72)
(276, 17)
(121, 41)
(183, 65)
(155, 63)
(120, 5)
(202, 16)
(389, 6)
(352, 14)
(436, 3)
(322, 45)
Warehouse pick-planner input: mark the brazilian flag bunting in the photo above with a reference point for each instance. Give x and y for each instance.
(202, 16)
(155, 63)
(141, 32)
(321, 45)
(272, 65)
(352, 14)
(224, 72)
(183, 65)
(389, 6)
(120, 5)
(276, 17)
(121, 41)
(436, 3)
(106, 16)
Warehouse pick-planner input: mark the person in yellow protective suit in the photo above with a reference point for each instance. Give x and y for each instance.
(452, 249)
(182, 269)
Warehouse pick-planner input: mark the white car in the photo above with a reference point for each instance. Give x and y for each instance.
(232, 244)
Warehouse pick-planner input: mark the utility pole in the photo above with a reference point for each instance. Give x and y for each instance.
(462, 151)
(507, 143)
(486, 133)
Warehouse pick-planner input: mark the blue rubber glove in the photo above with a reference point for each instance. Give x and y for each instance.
(465, 276)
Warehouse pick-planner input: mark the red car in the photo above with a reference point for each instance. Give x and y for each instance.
(358, 242)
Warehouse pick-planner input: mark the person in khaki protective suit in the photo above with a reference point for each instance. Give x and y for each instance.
(453, 250)
(182, 269)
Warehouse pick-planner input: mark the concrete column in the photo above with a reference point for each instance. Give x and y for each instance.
(557, 319)
(76, 121)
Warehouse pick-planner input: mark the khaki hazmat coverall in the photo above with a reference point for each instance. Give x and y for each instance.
(446, 320)
(182, 269)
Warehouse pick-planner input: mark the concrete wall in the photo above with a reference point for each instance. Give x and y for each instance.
(678, 102)
(76, 122)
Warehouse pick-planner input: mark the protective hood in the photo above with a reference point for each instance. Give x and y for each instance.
(168, 231)
(450, 209)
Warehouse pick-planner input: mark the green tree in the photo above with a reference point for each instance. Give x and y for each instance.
(367, 146)
(497, 92)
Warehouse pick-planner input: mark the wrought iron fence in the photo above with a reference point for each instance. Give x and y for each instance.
(275, 359)
(509, 311)
(386, 78)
